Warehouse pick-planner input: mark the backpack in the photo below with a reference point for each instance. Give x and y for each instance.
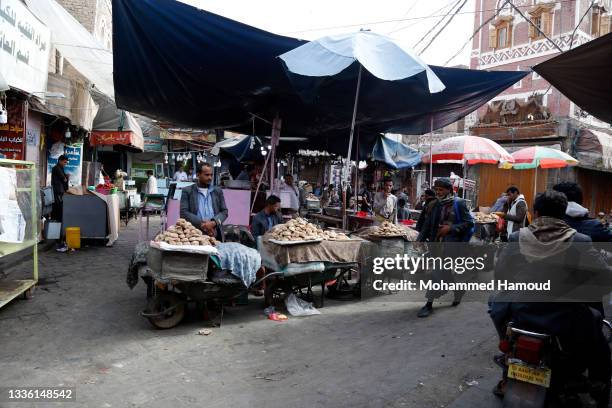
(468, 234)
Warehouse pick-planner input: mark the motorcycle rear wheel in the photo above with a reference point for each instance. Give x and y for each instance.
(520, 394)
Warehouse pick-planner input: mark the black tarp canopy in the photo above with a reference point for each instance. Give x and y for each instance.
(584, 75)
(176, 63)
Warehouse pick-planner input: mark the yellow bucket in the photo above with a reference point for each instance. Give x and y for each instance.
(73, 237)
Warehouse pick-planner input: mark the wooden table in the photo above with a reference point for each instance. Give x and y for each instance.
(328, 219)
(355, 222)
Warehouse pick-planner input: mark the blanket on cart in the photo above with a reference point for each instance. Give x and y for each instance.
(326, 251)
(242, 261)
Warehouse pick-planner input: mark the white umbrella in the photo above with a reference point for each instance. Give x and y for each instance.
(379, 55)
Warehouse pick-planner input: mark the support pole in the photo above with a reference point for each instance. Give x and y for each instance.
(535, 184)
(347, 166)
(276, 127)
(356, 191)
(431, 152)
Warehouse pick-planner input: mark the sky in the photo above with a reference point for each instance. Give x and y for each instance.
(312, 19)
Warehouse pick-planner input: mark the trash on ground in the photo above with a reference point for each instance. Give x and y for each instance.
(299, 307)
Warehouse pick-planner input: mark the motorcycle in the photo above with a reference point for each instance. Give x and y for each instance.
(539, 373)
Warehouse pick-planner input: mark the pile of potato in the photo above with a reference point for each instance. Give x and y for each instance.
(388, 229)
(183, 233)
(335, 236)
(482, 218)
(297, 229)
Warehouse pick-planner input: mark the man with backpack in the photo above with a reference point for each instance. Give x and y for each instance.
(449, 222)
(515, 212)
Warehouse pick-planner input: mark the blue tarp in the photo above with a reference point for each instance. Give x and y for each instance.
(395, 154)
(243, 148)
(176, 63)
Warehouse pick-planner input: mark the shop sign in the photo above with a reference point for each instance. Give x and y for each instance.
(152, 143)
(12, 140)
(203, 136)
(24, 47)
(112, 138)
(75, 161)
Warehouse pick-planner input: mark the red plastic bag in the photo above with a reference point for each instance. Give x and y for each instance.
(501, 224)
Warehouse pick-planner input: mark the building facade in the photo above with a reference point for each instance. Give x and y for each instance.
(517, 35)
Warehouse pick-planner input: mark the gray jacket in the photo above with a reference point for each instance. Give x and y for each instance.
(259, 225)
(189, 207)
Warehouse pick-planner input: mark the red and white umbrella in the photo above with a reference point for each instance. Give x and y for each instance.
(467, 150)
(540, 156)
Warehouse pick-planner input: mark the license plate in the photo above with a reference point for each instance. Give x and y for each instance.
(532, 375)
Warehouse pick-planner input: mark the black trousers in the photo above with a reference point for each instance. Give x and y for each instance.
(58, 207)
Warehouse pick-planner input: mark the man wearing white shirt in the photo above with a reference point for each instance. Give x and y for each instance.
(288, 187)
(151, 183)
(180, 175)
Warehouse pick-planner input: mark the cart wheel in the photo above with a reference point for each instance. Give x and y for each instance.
(164, 301)
(269, 294)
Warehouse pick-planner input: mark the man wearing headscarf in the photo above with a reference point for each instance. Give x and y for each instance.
(448, 221)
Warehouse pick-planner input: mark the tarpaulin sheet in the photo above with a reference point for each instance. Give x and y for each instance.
(176, 63)
(395, 154)
(583, 75)
(115, 126)
(76, 44)
(243, 147)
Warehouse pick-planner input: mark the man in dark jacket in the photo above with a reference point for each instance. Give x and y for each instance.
(577, 216)
(515, 211)
(427, 204)
(267, 218)
(449, 222)
(59, 183)
(203, 204)
(550, 249)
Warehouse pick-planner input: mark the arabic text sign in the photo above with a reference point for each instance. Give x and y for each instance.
(74, 166)
(24, 47)
(11, 133)
(99, 138)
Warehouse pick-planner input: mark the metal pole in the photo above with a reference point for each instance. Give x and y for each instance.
(535, 184)
(347, 166)
(465, 171)
(431, 152)
(276, 126)
(356, 192)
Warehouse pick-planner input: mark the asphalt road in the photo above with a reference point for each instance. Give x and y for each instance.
(82, 329)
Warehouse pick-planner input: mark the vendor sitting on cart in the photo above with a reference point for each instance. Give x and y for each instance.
(267, 218)
(203, 204)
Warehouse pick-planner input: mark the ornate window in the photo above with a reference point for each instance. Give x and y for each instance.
(541, 17)
(600, 22)
(500, 34)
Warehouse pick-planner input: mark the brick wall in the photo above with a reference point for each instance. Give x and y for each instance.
(565, 15)
(83, 10)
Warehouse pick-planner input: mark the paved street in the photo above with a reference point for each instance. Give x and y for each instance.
(82, 329)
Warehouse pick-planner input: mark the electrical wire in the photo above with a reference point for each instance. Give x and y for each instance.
(404, 15)
(412, 18)
(443, 27)
(435, 25)
(476, 32)
(419, 21)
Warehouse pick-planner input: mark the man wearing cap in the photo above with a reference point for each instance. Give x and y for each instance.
(449, 221)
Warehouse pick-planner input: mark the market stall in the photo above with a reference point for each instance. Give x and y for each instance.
(18, 222)
(95, 213)
(301, 255)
